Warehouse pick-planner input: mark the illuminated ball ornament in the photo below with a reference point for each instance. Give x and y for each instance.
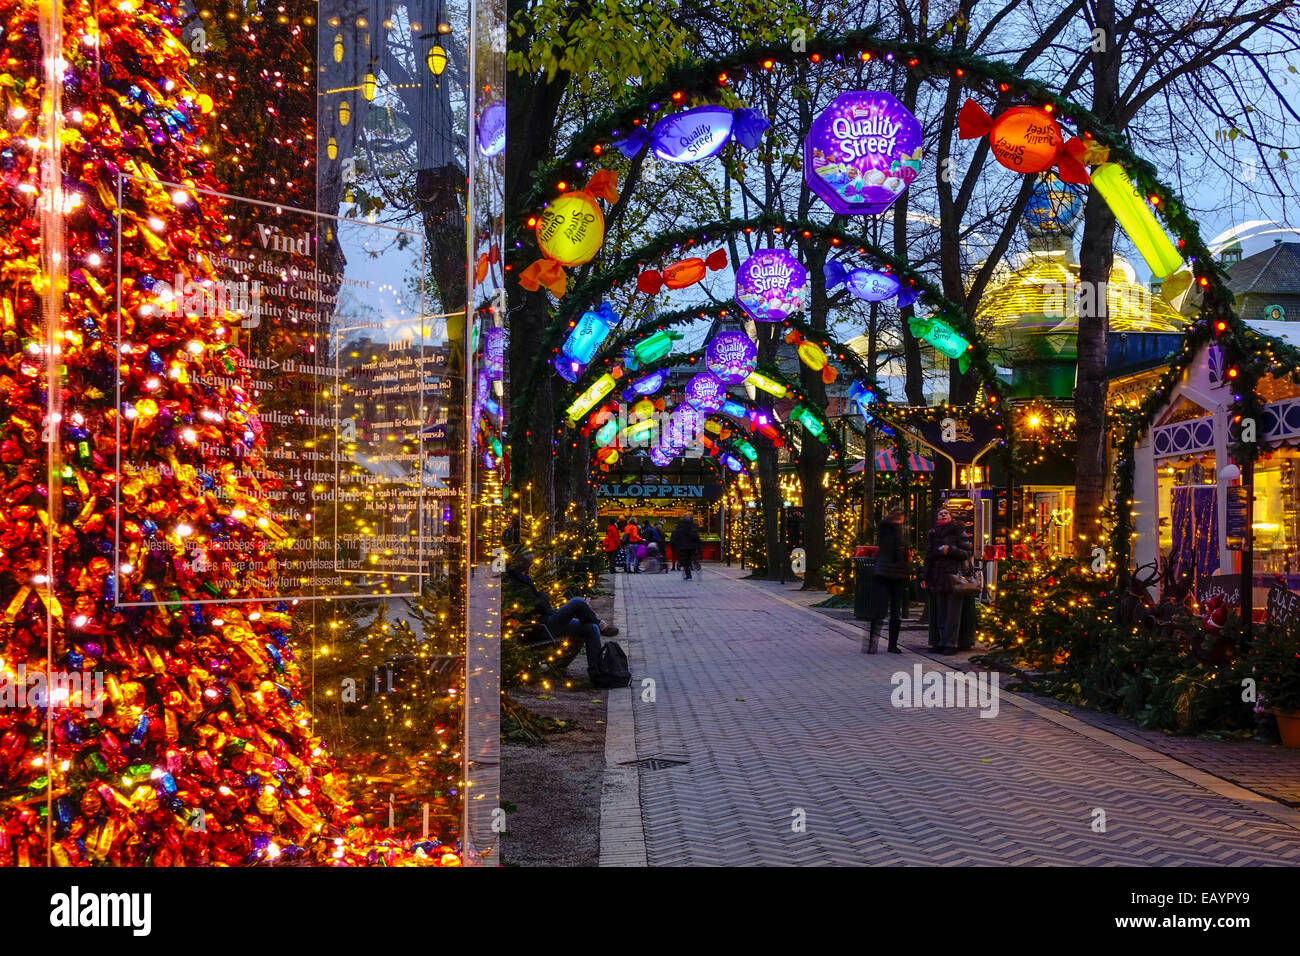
(731, 356)
(571, 229)
(706, 392)
(771, 286)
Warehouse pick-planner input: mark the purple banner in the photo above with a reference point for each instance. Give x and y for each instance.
(862, 151)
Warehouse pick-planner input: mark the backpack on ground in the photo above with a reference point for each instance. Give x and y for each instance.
(614, 671)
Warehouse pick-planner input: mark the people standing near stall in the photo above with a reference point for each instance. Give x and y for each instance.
(944, 557)
(634, 544)
(686, 543)
(611, 544)
(889, 582)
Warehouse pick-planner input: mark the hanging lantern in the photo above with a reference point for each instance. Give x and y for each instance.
(606, 433)
(662, 457)
(862, 151)
(437, 59)
(338, 48)
(706, 392)
(646, 385)
(771, 285)
(943, 337)
(1025, 139)
(607, 456)
(591, 329)
(345, 113)
(731, 356)
(368, 86)
(769, 385)
(812, 355)
(332, 148)
(746, 449)
(1137, 220)
(651, 348)
(492, 128)
(572, 229)
(809, 421)
(588, 399)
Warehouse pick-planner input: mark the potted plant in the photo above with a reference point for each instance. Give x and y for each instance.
(1277, 663)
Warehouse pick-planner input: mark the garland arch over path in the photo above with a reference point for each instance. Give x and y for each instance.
(1217, 321)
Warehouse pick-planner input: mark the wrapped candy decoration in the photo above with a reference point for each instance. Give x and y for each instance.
(593, 395)
(646, 385)
(650, 349)
(1025, 139)
(662, 457)
(943, 337)
(679, 275)
(569, 233)
(767, 384)
(809, 420)
(869, 285)
(1135, 217)
(696, 134)
(586, 336)
(812, 355)
(862, 396)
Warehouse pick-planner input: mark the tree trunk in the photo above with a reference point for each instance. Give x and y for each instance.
(769, 479)
(1095, 259)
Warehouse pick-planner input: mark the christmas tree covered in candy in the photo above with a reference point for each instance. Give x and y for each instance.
(199, 751)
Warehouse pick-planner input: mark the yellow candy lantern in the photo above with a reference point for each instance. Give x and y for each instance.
(1136, 219)
(571, 229)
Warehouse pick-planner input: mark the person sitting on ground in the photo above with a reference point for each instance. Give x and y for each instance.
(575, 619)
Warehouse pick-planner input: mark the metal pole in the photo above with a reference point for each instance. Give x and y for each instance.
(1248, 557)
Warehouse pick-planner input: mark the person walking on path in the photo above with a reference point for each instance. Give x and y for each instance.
(685, 543)
(944, 556)
(889, 583)
(611, 544)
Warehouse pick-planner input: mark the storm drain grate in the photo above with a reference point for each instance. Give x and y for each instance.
(654, 763)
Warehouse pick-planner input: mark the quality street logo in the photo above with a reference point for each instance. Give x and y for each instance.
(73, 909)
(946, 689)
(78, 690)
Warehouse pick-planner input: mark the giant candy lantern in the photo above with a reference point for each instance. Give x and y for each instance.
(586, 336)
(694, 135)
(771, 286)
(706, 392)
(943, 337)
(869, 285)
(1135, 217)
(681, 274)
(812, 355)
(491, 132)
(569, 233)
(731, 356)
(862, 151)
(1025, 139)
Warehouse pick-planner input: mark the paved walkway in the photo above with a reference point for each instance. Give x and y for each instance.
(792, 754)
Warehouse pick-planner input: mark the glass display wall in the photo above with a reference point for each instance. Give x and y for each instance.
(250, 443)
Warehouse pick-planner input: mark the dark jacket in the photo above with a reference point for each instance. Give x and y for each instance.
(686, 537)
(939, 566)
(518, 588)
(891, 554)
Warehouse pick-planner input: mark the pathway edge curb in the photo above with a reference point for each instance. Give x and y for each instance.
(622, 832)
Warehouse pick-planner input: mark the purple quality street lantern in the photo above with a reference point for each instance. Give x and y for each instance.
(862, 151)
(771, 286)
(706, 392)
(494, 350)
(692, 135)
(492, 128)
(731, 356)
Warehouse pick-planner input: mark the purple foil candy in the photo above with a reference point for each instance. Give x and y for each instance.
(492, 128)
(692, 135)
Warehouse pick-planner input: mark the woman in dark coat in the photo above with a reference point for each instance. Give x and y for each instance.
(888, 582)
(685, 543)
(945, 554)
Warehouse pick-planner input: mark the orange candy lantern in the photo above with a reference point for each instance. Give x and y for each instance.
(681, 274)
(569, 233)
(812, 355)
(1024, 139)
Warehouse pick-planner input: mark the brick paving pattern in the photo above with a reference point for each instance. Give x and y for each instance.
(782, 718)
